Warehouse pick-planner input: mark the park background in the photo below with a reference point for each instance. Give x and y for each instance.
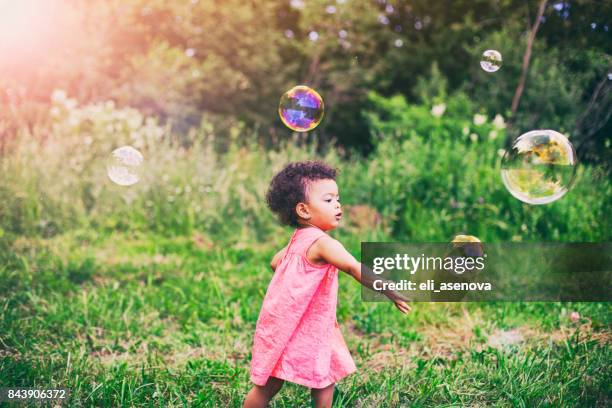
(148, 295)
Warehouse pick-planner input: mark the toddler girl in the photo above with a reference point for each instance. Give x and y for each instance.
(297, 337)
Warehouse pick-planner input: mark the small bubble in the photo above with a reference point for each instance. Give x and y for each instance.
(491, 60)
(124, 166)
(301, 108)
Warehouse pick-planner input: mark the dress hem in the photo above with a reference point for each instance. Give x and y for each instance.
(306, 383)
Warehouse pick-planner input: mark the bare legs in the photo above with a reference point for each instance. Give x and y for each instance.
(259, 396)
(323, 397)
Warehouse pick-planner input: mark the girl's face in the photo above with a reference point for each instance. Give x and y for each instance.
(322, 207)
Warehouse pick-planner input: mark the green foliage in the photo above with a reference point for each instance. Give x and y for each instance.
(435, 172)
(435, 176)
(182, 61)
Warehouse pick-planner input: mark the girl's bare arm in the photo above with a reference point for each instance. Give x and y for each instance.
(333, 252)
(276, 259)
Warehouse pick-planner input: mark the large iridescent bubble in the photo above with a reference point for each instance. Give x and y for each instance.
(540, 168)
(491, 60)
(301, 108)
(124, 166)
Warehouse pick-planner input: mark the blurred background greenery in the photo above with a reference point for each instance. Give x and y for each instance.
(413, 122)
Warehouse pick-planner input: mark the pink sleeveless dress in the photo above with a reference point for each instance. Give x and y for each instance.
(297, 337)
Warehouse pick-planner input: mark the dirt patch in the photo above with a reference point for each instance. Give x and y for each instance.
(447, 342)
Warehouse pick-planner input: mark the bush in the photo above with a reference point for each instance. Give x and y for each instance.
(434, 173)
(437, 174)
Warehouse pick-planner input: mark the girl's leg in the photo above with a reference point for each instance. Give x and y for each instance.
(259, 396)
(323, 397)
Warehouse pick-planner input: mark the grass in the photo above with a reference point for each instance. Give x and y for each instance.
(145, 320)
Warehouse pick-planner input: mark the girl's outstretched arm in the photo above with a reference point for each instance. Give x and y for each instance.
(333, 252)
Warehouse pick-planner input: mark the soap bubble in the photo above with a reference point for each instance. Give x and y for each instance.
(301, 108)
(468, 245)
(491, 60)
(540, 168)
(124, 166)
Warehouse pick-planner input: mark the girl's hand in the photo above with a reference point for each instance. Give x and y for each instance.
(400, 301)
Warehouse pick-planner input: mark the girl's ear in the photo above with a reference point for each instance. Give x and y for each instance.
(302, 211)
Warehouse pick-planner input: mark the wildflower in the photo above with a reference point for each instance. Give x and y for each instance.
(574, 316)
(474, 137)
(438, 110)
(58, 95)
(70, 103)
(297, 4)
(479, 119)
(466, 130)
(499, 122)
(493, 134)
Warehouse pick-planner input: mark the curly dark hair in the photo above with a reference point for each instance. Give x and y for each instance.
(288, 187)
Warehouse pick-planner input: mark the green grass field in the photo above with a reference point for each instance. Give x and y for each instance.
(143, 320)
